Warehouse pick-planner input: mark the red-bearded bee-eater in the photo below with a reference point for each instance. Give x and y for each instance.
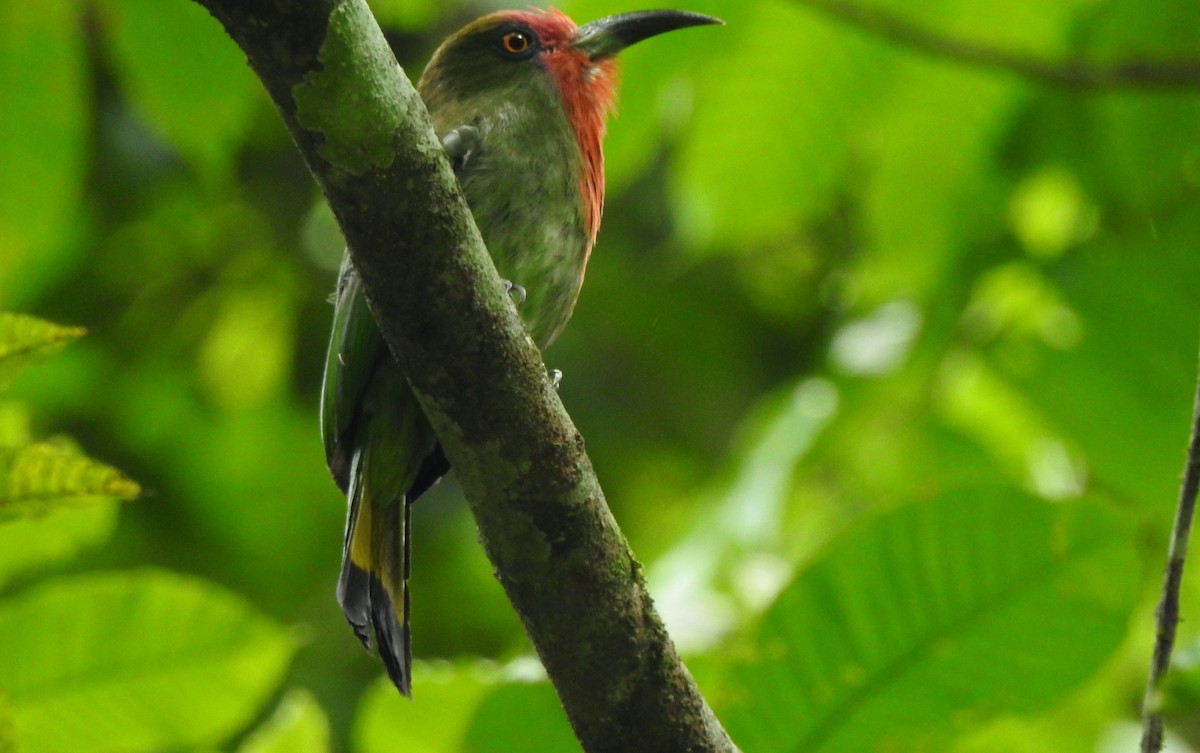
(519, 100)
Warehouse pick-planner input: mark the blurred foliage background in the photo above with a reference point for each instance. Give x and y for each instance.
(885, 361)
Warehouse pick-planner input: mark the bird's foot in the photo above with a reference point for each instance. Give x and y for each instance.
(555, 378)
(515, 292)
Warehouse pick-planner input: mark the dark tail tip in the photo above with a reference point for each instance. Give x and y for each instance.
(367, 604)
(354, 597)
(392, 636)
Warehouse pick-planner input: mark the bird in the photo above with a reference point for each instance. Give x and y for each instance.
(520, 101)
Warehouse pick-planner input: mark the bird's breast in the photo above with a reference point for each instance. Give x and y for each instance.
(522, 183)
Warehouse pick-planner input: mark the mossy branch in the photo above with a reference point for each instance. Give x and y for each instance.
(439, 302)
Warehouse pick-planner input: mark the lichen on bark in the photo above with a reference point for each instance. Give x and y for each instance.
(357, 122)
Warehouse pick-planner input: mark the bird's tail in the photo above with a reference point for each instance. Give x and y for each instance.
(373, 587)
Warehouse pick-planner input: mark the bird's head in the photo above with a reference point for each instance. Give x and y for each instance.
(527, 69)
(517, 48)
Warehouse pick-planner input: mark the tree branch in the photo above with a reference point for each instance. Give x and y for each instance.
(433, 289)
(1066, 74)
(1168, 605)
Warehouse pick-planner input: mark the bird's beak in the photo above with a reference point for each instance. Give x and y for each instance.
(608, 36)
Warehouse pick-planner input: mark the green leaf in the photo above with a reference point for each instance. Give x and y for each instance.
(929, 620)
(24, 339)
(55, 537)
(45, 108)
(932, 180)
(436, 721)
(467, 707)
(135, 662)
(8, 736)
(521, 716)
(1145, 145)
(299, 725)
(914, 234)
(35, 478)
(174, 61)
(755, 162)
(691, 581)
(1122, 388)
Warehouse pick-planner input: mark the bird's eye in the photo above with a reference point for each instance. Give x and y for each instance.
(516, 42)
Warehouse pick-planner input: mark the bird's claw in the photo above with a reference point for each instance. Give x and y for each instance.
(515, 292)
(555, 378)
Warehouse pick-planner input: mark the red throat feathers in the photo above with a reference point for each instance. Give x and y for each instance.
(588, 89)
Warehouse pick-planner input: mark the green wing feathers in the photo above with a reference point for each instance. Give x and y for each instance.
(355, 348)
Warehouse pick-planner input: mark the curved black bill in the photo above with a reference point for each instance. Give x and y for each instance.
(608, 36)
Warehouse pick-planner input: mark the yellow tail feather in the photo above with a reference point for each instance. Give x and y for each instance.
(373, 587)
